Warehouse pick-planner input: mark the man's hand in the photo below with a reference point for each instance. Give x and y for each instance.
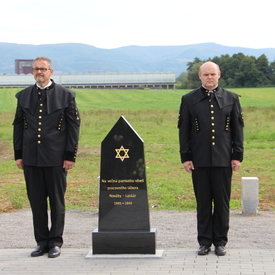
(68, 165)
(19, 164)
(188, 166)
(235, 164)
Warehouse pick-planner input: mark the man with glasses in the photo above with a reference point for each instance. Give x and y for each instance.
(46, 131)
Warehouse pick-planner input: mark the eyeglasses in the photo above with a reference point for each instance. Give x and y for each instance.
(40, 69)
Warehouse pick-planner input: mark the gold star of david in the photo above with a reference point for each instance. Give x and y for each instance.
(124, 156)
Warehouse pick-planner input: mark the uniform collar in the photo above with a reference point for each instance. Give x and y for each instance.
(56, 100)
(207, 91)
(219, 93)
(50, 85)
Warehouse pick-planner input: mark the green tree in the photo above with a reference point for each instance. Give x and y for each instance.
(193, 80)
(263, 66)
(272, 73)
(237, 70)
(247, 74)
(226, 68)
(182, 80)
(192, 63)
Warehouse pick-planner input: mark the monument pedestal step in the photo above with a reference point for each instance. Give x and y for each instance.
(124, 242)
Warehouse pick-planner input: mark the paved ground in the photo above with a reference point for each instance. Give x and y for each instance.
(173, 261)
(250, 249)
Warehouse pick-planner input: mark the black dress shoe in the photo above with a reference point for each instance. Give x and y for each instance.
(54, 252)
(203, 250)
(39, 251)
(220, 250)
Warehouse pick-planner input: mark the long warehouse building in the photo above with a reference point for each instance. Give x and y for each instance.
(100, 80)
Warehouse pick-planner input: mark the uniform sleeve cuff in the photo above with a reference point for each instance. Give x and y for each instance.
(18, 154)
(237, 156)
(70, 156)
(185, 157)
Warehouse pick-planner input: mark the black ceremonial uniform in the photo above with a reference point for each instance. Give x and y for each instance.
(211, 135)
(46, 131)
(46, 126)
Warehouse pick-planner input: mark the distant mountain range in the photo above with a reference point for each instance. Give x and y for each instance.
(82, 58)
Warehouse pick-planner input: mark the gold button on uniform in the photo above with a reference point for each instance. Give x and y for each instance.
(212, 123)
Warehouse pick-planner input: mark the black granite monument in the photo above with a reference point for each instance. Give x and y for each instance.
(123, 225)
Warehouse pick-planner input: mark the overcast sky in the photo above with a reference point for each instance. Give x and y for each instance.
(116, 23)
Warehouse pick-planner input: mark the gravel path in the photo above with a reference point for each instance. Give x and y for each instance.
(175, 229)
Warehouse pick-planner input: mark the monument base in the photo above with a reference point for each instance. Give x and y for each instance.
(124, 242)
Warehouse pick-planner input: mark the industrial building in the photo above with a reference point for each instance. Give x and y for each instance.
(23, 66)
(162, 80)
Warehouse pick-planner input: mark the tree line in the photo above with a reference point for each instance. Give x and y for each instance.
(237, 70)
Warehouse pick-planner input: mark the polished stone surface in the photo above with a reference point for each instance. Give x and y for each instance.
(123, 202)
(124, 242)
(123, 223)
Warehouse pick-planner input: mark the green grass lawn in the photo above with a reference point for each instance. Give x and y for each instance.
(153, 114)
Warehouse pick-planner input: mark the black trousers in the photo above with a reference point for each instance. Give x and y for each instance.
(47, 184)
(212, 187)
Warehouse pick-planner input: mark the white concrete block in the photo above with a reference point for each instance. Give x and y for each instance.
(250, 195)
